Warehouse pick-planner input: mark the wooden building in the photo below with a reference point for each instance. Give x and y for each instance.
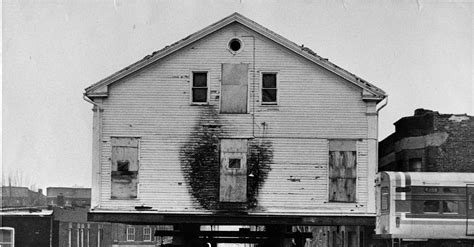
(234, 125)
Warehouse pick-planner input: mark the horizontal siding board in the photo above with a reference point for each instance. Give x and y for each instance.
(314, 106)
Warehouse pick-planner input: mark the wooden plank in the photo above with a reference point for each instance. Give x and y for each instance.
(233, 181)
(342, 145)
(234, 145)
(342, 176)
(124, 186)
(124, 142)
(124, 154)
(234, 88)
(229, 219)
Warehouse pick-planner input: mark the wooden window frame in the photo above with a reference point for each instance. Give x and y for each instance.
(130, 233)
(138, 139)
(277, 81)
(241, 45)
(191, 98)
(147, 236)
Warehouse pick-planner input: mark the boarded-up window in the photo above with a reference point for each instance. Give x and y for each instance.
(233, 172)
(269, 88)
(342, 171)
(234, 88)
(200, 88)
(124, 167)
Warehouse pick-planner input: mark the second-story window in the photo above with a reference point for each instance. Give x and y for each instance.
(199, 88)
(130, 233)
(269, 88)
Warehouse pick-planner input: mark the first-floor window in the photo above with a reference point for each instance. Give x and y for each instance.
(130, 233)
(342, 171)
(147, 234)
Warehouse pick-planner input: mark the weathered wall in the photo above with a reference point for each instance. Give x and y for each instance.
(30, 230)
(443, 142)
(73, 227)
(456, 154)
(314, 106)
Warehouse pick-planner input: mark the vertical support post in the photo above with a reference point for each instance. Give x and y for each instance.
(96, 152)
(372, 155)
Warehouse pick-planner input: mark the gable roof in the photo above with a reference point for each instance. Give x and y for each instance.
(371, 92)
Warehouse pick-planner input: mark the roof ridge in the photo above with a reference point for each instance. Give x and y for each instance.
(236, 16)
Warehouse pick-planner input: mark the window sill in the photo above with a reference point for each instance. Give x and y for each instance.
(122, 198)
(334, 202)
(198, 104)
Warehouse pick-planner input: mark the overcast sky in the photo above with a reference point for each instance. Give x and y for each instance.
(419, 52)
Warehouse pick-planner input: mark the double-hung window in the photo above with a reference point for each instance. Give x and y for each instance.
(147, 233)
(199, 88)
(269, 88)
(130, 233)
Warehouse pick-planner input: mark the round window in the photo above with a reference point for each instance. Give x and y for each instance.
(235, 45)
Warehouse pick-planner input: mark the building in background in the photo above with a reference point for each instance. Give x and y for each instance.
(430, 142)
(56, 227)
(236, 125)
(31, 227)
(140, 235)
(15, 197)
(69, 196)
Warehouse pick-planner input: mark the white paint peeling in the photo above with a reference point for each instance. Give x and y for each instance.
(458, 118)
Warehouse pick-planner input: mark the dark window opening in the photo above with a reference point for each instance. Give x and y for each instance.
(415, 165)
(234, 163)
(235, 45)
(431, 206)
(122, 165)
(450, 207)
(437, 207)
(269, 88)
(199, 90)
(450, 190)
(403, 189)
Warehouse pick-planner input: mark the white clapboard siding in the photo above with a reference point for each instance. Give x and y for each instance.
(314, 106)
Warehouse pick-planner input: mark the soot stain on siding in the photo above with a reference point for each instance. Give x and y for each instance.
(259, 159)
(200, 161)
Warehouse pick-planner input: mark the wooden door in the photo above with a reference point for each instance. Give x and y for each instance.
(233, 171)
(234, 88)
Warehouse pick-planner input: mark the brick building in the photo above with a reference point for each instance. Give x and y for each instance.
(69, 196)
(13, 196)
(429, 142)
